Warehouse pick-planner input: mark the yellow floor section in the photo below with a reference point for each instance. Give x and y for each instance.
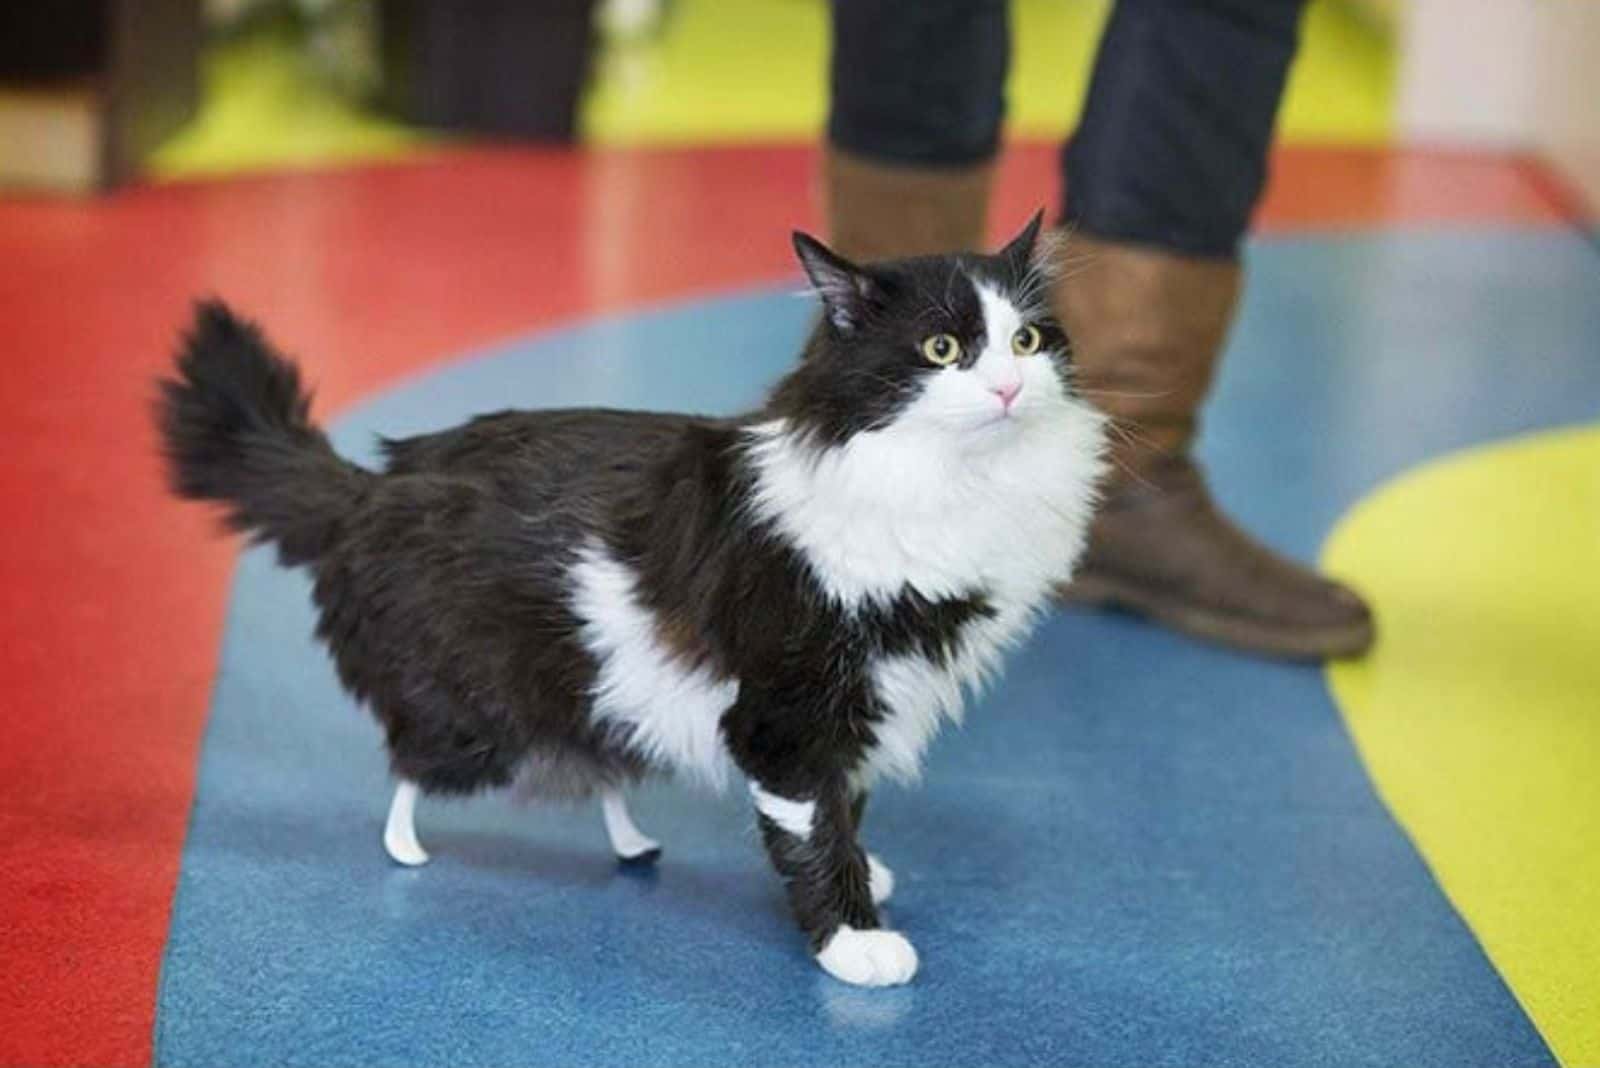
(1478, 715)
(751, 70)
(264, 107)
(758, 69)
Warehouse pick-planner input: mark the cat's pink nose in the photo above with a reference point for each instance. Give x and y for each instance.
(1007, 393)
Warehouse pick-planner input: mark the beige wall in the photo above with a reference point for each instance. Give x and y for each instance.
(1507, 73)
(1566, 92)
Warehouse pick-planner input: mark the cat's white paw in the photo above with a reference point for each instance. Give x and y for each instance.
(880, 880)
(869, 958)
(403, 847)
(631, 845)
(400, 829)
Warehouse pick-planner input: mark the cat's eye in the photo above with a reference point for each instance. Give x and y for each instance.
(941, 350)
(1026, 341)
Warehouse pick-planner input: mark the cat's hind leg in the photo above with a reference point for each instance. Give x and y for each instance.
(400, 830)
(629, 843)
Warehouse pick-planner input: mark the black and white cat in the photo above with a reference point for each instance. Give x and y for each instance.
(562, 602)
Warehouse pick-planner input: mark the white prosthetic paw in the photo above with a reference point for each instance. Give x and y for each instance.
(400, 831)
(630, 844)
(869, 958)
(880, 880)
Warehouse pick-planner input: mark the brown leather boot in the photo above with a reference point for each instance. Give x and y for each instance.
(1147, 327)
(879, 211)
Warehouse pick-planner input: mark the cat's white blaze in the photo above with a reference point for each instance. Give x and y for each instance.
(672, 714)
(953, 497)
(997, 365)
(795, 817)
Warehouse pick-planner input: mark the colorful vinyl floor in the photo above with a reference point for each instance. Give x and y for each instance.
(1140, 850)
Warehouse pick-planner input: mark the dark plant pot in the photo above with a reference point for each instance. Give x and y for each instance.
(510, 68)
(131, 65)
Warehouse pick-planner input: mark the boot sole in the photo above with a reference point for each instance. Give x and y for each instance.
(1334, 642)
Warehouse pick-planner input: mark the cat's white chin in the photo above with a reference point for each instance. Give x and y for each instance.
(868, 958)
(992, 423)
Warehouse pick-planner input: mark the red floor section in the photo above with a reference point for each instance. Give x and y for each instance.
(113, 596)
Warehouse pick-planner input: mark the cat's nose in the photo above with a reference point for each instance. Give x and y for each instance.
(1007, 392)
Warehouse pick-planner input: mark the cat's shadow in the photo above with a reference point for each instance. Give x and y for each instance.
(504, 853)
(682, 887)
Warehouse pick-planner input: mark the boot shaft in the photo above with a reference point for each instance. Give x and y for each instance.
(880, 211)
(1147, 327)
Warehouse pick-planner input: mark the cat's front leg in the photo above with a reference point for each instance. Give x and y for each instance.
(810, 836)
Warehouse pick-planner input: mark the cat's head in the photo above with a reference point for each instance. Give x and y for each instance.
(960, 347)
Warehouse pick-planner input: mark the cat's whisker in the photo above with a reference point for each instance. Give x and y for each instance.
(1130, 432)
(1133, 474)
(1090, 391)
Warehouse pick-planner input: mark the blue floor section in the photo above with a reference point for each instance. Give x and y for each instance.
(1140, 851)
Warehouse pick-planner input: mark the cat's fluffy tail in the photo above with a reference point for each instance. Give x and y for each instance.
(235, 427)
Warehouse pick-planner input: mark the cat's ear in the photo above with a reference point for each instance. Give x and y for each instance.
(847, 291)
(1023, 252)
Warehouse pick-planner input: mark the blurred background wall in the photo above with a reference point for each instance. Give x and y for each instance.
(306, 82)
(1505, 73)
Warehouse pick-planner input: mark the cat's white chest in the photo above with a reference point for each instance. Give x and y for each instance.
(897, 508)
(888, 511)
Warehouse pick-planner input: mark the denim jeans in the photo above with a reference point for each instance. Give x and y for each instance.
(1172, 147)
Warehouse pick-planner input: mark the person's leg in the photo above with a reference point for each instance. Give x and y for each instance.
(1172, 148)
(1161, 179)
(917, 100)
